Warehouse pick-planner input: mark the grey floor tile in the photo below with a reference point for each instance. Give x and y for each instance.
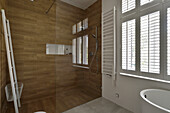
(99, 105)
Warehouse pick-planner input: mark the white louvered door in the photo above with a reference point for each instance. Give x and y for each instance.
(109, 43)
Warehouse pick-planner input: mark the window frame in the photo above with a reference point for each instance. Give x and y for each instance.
(150, 12)
(136, 13)
(81, 65)
(126, 20)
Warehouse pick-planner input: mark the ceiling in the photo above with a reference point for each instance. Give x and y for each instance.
(83, 4)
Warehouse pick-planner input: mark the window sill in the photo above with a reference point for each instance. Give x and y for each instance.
(145, 78)
(84, 67)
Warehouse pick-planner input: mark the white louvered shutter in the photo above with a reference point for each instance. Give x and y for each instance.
(108, 42)
(129, 45)
(128, 5)
(143, 2)
(150, 43)
(168, 41)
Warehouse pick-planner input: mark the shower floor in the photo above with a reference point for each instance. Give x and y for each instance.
(62, 102)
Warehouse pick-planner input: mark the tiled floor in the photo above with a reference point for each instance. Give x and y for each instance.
(99, 105)
(63, 101)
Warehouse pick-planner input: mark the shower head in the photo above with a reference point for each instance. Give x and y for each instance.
(93, 35)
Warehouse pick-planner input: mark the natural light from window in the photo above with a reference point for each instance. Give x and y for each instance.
(150, 42)
(85, 50)
(128, 5)
(128, 45)
(79, 44)
(143, 2)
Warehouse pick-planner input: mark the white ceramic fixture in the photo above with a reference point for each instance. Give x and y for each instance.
(155, 101)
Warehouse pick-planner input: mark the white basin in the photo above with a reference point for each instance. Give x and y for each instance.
(155, 101)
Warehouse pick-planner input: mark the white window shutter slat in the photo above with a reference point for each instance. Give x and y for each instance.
(150, 43)
(128, 5)
(129, 45)
(143, 2)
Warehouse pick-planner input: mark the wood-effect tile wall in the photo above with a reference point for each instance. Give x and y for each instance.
(92, 80)
(66, 16)
(46, 75)
(31, 29)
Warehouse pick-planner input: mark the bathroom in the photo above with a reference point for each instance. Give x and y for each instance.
(84, 56)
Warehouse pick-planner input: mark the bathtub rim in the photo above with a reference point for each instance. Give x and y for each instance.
(142, 93)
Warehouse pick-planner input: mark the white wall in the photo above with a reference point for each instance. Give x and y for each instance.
(128, 88)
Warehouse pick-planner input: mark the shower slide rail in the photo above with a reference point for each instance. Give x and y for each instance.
(11, 63)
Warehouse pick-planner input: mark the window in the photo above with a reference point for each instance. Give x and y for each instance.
(74, 29)
(80, 50)
(85, 24)
(143, 2)
(85, 50)
(128, 45)
(74, 50)
(79, 26)
(150, 42)
(128, 5)
(145, 38)
(79, 44)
